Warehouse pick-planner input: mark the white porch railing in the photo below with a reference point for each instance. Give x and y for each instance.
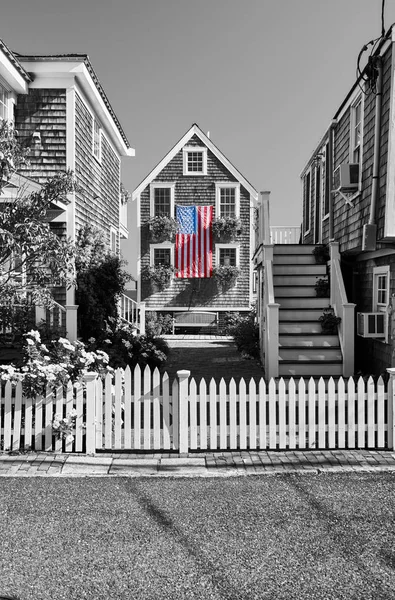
(343, 309)
(284, 235)
(132, 312)
(54, 317)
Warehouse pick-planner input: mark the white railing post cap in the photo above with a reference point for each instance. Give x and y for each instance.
(90, 376)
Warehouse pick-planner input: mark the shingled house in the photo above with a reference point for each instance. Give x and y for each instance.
(349, 202)
(61, 111)
(195, 215)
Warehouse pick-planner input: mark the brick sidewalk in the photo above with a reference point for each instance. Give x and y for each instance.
(214, 464)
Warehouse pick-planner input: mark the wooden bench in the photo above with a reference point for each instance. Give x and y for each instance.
(195, 319)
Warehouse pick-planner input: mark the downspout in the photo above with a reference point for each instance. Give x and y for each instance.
(370, 229)
(330, 169)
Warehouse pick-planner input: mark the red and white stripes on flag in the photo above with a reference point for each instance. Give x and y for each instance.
(194, 242)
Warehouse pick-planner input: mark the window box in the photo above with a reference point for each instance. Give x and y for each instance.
(227, 228)
(158, 276)
(226, 276)
(162, 229)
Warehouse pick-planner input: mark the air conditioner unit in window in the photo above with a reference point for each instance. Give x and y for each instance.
(371, 325)
(346, 177)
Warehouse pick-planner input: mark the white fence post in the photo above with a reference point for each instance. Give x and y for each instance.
(391, 409)
(71, 322)
(142, 318)
(90, 379)
(183, 400)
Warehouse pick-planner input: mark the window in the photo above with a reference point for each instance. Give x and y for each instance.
(227, 199)
(162, 199)
(307, 200)
(195, 160)
(3, 103)
(381, 293)
(113, 239)
(227, 254)
(327, 181)
(356, 131)
(96, 140)
(162, 256)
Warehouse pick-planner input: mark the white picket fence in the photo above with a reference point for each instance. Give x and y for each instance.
(141, 411)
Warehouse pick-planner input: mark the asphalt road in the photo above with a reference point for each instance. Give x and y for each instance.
(321, 537)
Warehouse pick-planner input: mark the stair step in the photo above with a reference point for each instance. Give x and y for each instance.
(299, 269)
(281, 291)
(293, 249)
(304, 302)
(309, 340)
(298, 327)
(293, 259)
(310, 369)
(300, 314)
(296, 280)
(315, 354)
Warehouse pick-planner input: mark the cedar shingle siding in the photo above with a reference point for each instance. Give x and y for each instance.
(372, 355)
(197, 190)
(98, 201)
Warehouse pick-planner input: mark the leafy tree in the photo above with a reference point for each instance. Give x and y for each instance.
(101, 278)
(28, 246)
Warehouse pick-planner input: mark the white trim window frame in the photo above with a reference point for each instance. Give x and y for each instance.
(114, 235)
(195, 160)
(219, 247)
(307, 202)
(4, 103)
(96, 139)
(162, 246)
(381, 293)
(356, 133)
(326, 182)
(162, 185)
(219, 186)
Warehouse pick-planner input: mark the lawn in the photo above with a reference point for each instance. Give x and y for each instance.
(278, 537)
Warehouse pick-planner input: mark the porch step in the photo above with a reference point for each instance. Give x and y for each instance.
(296, 280)
(310, 354)
(299, 327)
(299, 269)
(308, 340)
(302, 302)
(295, 259)
(293, 249)
(300, 314)
(310, 369)
(297, 290)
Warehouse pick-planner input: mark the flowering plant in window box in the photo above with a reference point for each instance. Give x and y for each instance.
(227, 228)
(226, 275)
(158, 275)
(163, 228)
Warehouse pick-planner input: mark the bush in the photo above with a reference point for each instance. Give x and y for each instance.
(245, 332)
(157, 324)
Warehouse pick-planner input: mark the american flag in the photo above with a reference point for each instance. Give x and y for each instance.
(194, 246)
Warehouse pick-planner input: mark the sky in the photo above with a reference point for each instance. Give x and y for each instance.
(264, 77)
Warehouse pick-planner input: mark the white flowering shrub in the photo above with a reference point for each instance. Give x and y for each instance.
(54, 364)
(63, 427)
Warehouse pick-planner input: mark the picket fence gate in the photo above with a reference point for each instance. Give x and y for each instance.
(141, 411)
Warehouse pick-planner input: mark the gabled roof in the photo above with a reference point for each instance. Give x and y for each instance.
(84, 60)
(195, 130)
(12, 57)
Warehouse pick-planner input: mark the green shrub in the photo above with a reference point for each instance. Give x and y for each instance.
(245, 332)
(157, 324)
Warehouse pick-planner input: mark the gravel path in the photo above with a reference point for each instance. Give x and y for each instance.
(326, 537)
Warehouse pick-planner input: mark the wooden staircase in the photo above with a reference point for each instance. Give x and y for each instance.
(303, 350)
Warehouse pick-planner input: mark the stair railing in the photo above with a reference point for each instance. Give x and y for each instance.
(132, 312)
(271, 317)
(343, 309)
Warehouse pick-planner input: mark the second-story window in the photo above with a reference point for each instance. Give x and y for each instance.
(356, 131)
(228, 256)
(162, 202)
(3, 103)
(227, 199)
(96, 140)
(162, 256)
